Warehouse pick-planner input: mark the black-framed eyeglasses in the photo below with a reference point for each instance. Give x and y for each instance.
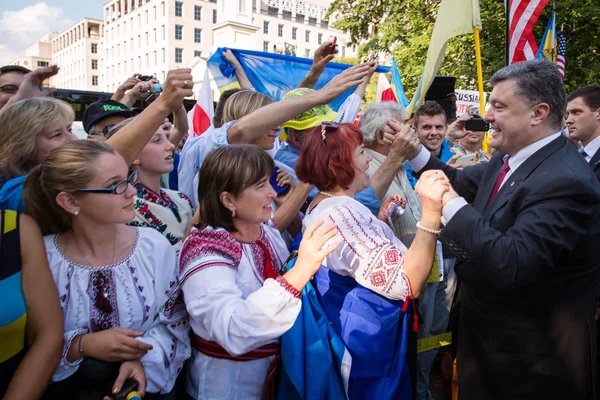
(117, 188)
(104, 131)
(11, 89)
(328, 127)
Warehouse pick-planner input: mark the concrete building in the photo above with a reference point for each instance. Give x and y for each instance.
(153, 36)
(37, 55)
(77, 51)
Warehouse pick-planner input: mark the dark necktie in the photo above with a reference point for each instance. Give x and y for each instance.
(503, 171)
(583, 153)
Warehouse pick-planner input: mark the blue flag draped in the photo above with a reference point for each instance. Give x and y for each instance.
(274, 74)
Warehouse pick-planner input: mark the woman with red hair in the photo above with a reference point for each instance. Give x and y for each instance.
(366, 284)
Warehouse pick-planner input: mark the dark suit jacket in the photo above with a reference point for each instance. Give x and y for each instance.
(530, 267)
(595, 164)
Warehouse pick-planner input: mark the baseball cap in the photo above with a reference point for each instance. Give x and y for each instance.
(311, 118)
(101, 109)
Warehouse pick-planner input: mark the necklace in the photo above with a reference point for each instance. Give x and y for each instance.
(112, 260)
(326, 194)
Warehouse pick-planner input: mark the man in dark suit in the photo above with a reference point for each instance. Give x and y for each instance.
(583, 120)
(526, 248)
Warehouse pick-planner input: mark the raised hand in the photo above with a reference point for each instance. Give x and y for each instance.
(431, 188)
(178, 86)
(456, 130)
(323, 54)
(350, 78)
(381, 215)
(406, 144)
(32, 85)
(117, 344)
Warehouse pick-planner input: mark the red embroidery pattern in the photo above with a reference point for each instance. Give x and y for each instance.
(286, 285)
(102, 292)
(206, 243)
(388, 263)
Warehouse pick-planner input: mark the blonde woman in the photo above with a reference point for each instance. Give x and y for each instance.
(30, 130)
(117, 284)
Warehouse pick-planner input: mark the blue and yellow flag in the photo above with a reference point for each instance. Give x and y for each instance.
(548, 47)
(397, 86)
(274, 74)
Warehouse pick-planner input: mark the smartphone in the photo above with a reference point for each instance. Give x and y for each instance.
(477, 124)
(280, 190)
(333, 44)
(466, 160)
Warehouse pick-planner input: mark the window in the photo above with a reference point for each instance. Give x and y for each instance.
(178, 55)
(272, 11)
(212, 1)
(214, 16)
(266, 27)
(294, 32)
(162, 8)
(162, 32)
(131, 46)
(162, 55)
(178, 9)
(197, 35)
(146, 37)
(319, 38)
(286, 15)
(265, 46)
(178, 32)
(307, 36)
(94, 48)
(94, 80)
(42, 63)
(147, 20)
(307, 53)
(154, 12)
(146, 61)
(154, 57)
(280, 30)
(94, 64)
(324, 23)
(197, 53)
(300, 18)
(312, 21)
(242, 6)
(197, 13)
(154, 35)
(139, 18)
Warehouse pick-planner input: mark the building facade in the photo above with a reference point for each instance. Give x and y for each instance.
(153, 36)
(37, 55)
(77, 52)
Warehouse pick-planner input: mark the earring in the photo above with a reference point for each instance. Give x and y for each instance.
(76, 212)
(233, 214)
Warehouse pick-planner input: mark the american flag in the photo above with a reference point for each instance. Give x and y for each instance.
(562, 54)
(522, 17)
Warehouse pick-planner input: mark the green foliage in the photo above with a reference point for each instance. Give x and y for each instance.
(403, 28)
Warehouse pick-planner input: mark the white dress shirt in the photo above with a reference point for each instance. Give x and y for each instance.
(514, 162)
(591, 149)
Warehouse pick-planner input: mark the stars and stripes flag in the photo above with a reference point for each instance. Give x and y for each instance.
(522, 17)
(562, 54)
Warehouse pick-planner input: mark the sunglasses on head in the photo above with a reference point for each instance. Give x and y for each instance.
(328, 127)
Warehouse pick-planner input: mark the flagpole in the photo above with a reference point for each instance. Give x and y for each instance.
(507, 13)
(486, 145)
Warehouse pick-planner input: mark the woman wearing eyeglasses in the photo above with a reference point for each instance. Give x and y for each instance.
(366, 285)
(117, 284)
(30, 130)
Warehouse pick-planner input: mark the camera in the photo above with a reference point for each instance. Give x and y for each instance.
(477, 125)
(145, 77)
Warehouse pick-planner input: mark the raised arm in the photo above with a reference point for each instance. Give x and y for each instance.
(180, 125)
(130, 140)
(324, 53)
(240, 73)
(32, 85)
(44, 317)
(269, 117)
(119, 94)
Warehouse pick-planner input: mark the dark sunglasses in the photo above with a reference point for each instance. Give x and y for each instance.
(328, 127)
(117, 188)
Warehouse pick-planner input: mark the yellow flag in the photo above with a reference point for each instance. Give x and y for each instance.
(455, 17)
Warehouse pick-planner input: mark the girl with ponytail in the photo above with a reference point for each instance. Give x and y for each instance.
(117, 284)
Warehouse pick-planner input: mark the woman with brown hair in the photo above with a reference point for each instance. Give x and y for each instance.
(231, 275)
(117, 284)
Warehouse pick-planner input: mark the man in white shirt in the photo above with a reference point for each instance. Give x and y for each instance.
(526, 248)
(583, 120)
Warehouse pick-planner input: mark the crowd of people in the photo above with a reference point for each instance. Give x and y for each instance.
(238, 263)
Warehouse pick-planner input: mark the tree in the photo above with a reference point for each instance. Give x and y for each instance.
(403, 28)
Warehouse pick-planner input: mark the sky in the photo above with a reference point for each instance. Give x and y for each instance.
(23, 22)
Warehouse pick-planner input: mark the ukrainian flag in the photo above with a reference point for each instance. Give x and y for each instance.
(548, 47)
(397, 86)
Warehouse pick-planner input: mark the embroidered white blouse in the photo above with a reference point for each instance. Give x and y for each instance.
(230, 302)
(141, 293)
(369, 252)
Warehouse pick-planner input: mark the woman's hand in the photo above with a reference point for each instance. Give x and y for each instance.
(431, 187)
(312, 251)
(117, 344)
(381, 215)
(133, 370)
(283, 178)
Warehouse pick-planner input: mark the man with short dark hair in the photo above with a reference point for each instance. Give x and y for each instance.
(583, 120)
(11, 77)
(526, 248)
